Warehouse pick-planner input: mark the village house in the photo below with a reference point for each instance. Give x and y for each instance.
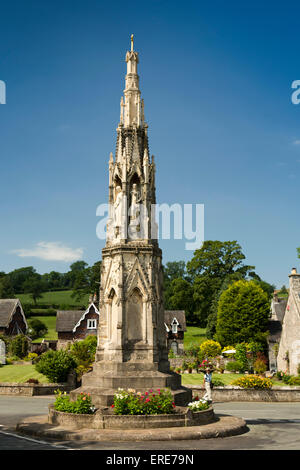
(75, 325)
(288, 358)
(175, 324)
(12, 318)
(278, 306)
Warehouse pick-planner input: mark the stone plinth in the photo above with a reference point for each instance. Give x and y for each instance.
(107, 377)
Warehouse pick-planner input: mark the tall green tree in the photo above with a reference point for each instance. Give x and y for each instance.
(34, 286)
(6, 288)
(171, 271)
(213, 311)
(87, 282)
(243, 314)
(77, 270)
(181, 298)
(19, 276)
(208, 269)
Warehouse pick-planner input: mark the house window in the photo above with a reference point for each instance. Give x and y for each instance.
(91, 324)
(174, 325)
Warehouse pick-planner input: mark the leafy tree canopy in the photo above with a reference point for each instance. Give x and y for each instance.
(243, 313)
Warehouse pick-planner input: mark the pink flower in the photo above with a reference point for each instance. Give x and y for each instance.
(150, 391)
(147, 399)
(84, 398)
(146, 393)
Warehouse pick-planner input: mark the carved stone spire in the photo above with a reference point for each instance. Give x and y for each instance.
(132, 348)
(132, 108)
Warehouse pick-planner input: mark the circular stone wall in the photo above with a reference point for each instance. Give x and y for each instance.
(99, 420)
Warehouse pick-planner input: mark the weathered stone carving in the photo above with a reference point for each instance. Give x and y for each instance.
(132, 347)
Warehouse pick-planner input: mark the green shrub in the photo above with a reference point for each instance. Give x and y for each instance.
(293, 381)
(19, 346)
(235, 366)
(55, 365)
(217, 382)
(31, 357)
(241, 356)
(130, 402)
(210, 348)
(83, 404)
(283, 376)
(259, 366)
(192, 350)
(84, 351)
(37, 328)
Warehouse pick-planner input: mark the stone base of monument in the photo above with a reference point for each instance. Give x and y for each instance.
(177, 427)
(107, 377)
(105, 419)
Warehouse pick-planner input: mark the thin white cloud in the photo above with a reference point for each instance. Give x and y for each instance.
(296, 142)
(51, 251)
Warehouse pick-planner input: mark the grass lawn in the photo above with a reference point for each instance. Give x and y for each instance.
(197, 379)
(20, 373)
(194, 335)
(55, 298)
(50, 322)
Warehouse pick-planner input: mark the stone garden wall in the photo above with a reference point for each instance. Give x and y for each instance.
(31, 390)
(232, 393)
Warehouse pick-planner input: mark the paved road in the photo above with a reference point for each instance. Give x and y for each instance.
(272, 426)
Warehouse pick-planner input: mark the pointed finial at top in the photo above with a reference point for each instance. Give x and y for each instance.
(131, 37)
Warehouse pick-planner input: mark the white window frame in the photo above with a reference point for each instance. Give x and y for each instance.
(174, 326)
(92, 321)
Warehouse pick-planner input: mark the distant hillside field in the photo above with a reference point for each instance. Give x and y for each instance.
(55, 298)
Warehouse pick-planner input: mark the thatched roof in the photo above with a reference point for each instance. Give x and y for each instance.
(67, 319)
(180, 317)
(7, 310)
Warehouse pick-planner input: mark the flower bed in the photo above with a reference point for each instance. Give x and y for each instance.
(253, 381)
(198, 405)
(83, 404)
(130, 402)
(103, 419)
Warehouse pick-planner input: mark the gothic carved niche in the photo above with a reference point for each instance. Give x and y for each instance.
(135, 314)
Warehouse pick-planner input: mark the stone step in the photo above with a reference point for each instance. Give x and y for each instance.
(138, 382)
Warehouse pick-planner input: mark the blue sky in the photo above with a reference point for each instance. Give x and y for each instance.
(216, 79)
